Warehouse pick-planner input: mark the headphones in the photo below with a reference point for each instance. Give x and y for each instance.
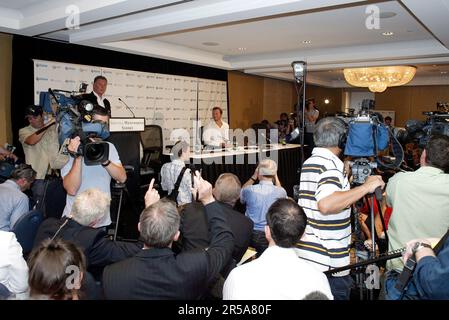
(343, 137)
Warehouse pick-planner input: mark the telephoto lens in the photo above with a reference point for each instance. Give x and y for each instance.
(96, 153)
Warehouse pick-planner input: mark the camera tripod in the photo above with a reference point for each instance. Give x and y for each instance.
(369, 284)
(119, 192)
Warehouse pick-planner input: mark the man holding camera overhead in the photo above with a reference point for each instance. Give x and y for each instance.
(77, 176)
(40, 145)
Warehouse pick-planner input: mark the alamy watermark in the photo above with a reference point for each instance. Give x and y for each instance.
(73, 281)
(372, 21)
(72, 21)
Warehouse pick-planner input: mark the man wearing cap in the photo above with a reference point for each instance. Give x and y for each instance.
(258, 198)
(41, 148)
(97, 95)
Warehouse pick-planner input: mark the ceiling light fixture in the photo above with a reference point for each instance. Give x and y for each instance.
(326, 101)
(387, 14)
(307, 41)
(210, 44)
(378, 79)
(242, 49)
(388, 33)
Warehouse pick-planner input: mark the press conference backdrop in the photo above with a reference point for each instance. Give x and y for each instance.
(169, 101)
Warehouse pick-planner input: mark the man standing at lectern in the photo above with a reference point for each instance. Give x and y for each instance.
(97, 95)
(216, 132)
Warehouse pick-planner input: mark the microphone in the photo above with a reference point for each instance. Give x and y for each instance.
(269, 140)
(127, 107)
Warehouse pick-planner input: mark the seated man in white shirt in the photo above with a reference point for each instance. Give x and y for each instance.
(278, 274)
(216, 132)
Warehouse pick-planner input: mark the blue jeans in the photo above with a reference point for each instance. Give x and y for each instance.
(340, 287)
(4, 292)
(391, 293)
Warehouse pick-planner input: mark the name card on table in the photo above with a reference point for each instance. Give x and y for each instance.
(126, 124)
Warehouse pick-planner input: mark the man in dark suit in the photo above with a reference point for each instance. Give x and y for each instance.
(156, 272)
(195, 230)
(89, 207)
(97, 95)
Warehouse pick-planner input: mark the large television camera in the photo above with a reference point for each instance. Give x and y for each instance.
(74, 114)
(366, 136)
(437, 122)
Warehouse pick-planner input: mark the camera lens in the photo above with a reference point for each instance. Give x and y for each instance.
(94, 152)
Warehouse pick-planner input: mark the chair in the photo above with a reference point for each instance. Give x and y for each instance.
(262, 130)
(26, 228)
(152, 143)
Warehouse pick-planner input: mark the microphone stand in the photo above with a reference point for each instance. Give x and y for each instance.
(127, 107)
(300, 86)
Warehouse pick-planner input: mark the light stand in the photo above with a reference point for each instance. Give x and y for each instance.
(299, 73)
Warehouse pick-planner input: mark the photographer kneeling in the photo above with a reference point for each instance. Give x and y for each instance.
(77, 176)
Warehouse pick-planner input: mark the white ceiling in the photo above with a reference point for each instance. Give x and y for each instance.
(269, 33)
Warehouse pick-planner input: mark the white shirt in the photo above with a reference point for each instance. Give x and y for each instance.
(169, 174)
(278, 274)
(100, 100)
(213, 135)
(13, 268)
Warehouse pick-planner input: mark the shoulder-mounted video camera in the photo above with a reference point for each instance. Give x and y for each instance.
(366, 134)
(437, 122)
(75, 115)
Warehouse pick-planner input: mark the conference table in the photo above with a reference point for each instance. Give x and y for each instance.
(242, 161)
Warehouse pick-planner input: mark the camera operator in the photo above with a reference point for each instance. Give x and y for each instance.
(41, 147)
(97, 95)
(326, 198)
(77, 176)
(420, 200)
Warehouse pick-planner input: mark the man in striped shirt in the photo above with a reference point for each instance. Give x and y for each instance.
(326, 198)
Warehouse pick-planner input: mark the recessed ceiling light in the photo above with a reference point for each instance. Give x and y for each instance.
(443, 72)
(210, 44)
(387, 14)
(242, 49)
(307, 41)
(388, 33)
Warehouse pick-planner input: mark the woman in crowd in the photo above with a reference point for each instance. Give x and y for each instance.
(56, 268)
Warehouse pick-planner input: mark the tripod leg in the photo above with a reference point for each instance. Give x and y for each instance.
(118, 214)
